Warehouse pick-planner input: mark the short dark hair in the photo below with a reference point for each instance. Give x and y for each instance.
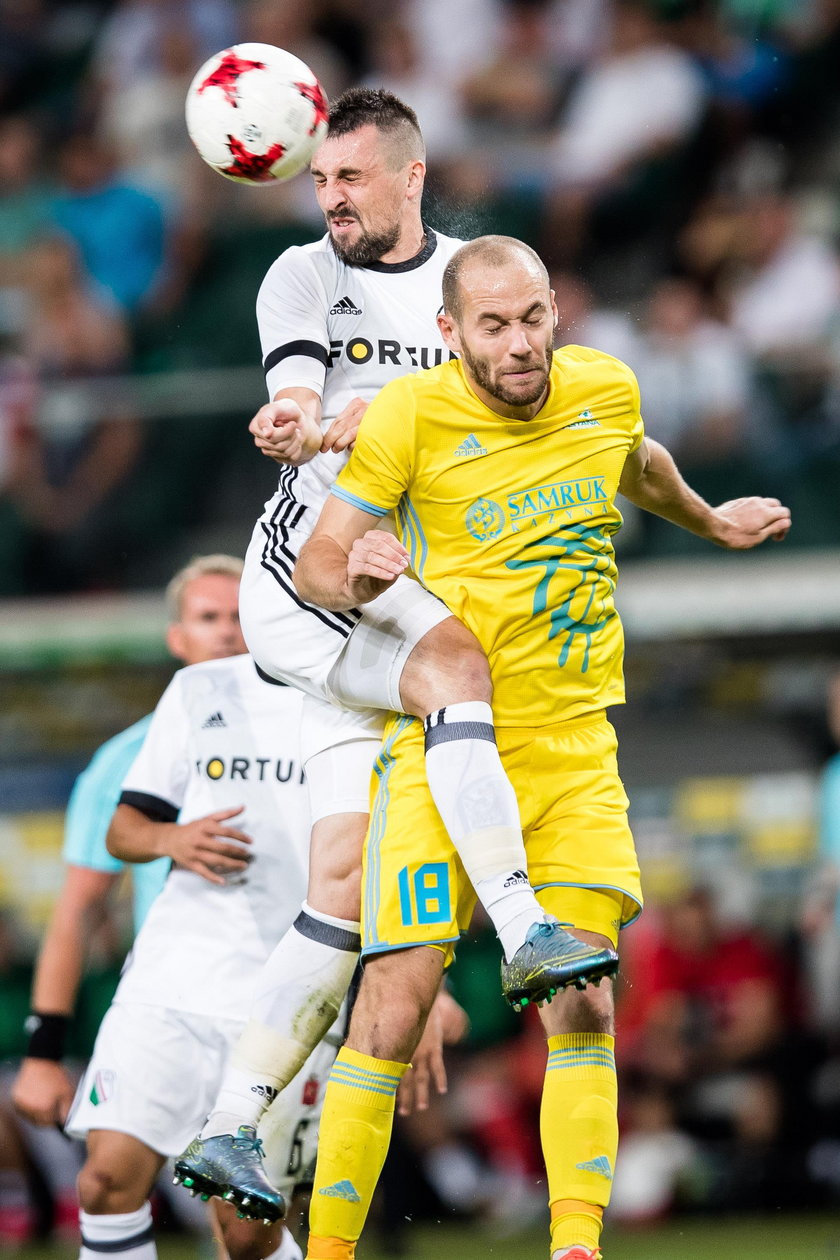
(493, 251)
(361, 106)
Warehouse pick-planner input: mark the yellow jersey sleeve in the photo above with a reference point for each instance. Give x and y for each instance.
(637, 424)
(381, 463)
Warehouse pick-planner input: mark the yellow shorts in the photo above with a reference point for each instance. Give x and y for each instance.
(581, 857)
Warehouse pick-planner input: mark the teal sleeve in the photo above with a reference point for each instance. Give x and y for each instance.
(94, 798)
(830, 811)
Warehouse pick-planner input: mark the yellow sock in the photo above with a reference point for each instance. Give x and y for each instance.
(355, 1132)
(579, 1132)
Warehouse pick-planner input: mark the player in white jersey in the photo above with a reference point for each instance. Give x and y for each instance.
(222, 745)
(338, 320)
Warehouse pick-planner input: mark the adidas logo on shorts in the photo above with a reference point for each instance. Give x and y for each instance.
(214, 720)
(344, 306)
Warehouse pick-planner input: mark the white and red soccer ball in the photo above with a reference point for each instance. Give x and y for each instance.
(256, 113)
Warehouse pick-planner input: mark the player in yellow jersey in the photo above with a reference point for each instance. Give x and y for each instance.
(503, 468)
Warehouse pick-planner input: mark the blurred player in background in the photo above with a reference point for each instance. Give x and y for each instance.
(523, 552)
(218, 787)
(338, 319)
(202, 601)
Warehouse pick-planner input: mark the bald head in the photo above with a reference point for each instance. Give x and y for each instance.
(482, 256)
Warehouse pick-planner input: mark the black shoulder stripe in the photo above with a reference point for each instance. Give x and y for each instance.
(153, 807)
(306, 349)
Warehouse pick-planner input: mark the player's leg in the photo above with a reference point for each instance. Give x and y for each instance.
(414, 894)
(251, 1240)
(302, 985)
(579, 1113)
(407, 653)
(395, 997)
(582, 858)
(115, 1217)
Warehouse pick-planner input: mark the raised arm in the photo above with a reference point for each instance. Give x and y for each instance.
(346, 562)
(652, 481)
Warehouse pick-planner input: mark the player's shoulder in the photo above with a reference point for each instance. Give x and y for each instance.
(120, 747)
(226, 668)
(596, 365)
(304, 263)
(447, 245)
(108, 766)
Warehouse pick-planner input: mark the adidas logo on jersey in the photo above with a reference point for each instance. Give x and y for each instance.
(470, 447)
(214, 720)
(600, 1165)
(344, 306)
(342, 1190)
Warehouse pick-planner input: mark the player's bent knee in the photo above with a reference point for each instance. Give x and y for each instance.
(105, 1189)
(591, 1010)
(394, 1001)
(447, 666)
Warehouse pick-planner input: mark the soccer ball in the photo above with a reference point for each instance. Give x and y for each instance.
(256, 113)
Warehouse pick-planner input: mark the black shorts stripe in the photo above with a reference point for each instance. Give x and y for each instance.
(278, 559)
(154, 807)
(275, 682)
(304, 349)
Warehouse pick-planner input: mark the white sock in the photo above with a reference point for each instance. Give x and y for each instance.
(288, 1249)
(479, 809)
(128, 1234)
(299, 994)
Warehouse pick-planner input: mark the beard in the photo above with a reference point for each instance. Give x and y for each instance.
(492, 381)
(368, 248)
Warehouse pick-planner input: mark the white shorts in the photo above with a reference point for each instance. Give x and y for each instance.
(155, 1073)
(353, 659)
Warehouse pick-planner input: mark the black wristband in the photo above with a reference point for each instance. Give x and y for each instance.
(47, 1036)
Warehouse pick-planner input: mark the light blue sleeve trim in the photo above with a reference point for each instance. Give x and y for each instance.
(830, 810)
(356, 502)
(94, 798)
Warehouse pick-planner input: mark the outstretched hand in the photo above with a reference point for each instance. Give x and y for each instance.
(745, 523)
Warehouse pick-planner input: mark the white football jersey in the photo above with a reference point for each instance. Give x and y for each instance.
(343, 332)
(220, 737)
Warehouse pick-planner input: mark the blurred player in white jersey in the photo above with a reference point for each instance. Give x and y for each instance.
(339, 319)
(219, 786)
(202, 601)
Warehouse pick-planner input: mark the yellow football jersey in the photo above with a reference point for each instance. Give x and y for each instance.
(510, 522)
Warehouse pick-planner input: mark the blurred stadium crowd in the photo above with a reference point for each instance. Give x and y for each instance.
(677, 163)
